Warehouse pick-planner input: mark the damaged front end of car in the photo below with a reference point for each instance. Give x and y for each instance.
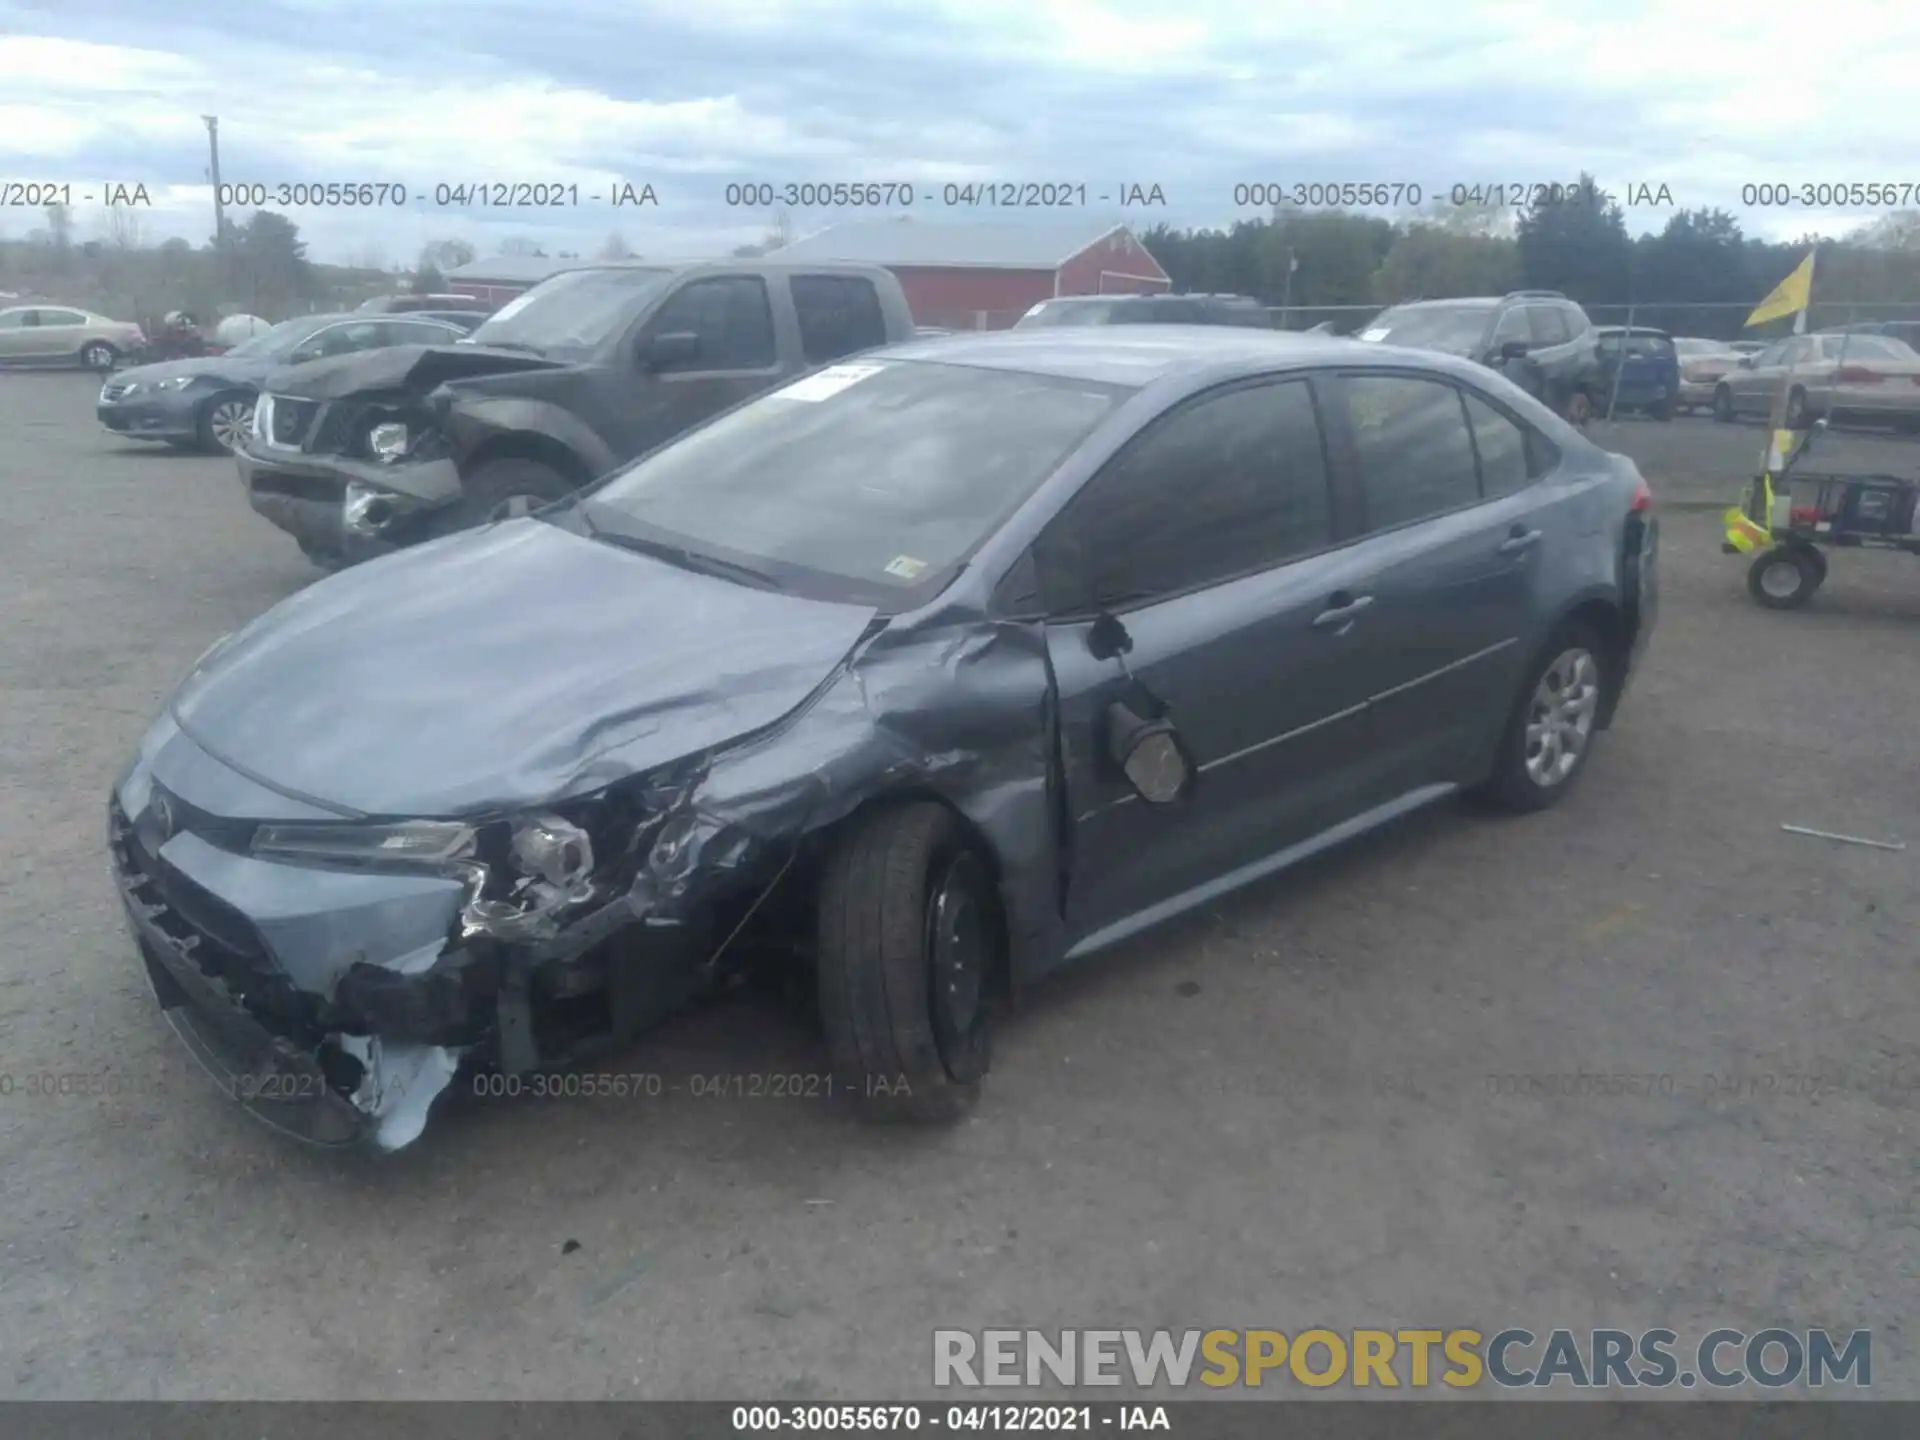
(337, 974)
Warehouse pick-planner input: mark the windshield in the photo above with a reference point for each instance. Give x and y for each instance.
(1455, 328)
(1079, 312)
(282, 337)
(882, 473)
(575, 311)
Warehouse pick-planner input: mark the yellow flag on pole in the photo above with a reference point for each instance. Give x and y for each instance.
(1789, 297)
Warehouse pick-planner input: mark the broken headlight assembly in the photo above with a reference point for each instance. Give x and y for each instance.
(388, 442)
(520, 872)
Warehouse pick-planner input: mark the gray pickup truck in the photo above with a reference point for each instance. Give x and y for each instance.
(366, 453)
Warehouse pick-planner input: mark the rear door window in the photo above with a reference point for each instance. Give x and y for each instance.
(1411, 443)
(1512, 455)
(839, 314)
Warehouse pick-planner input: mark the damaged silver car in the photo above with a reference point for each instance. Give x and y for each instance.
(916, 677)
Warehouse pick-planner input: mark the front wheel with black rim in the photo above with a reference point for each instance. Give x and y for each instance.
(1551, 730)
(910, 947)
(1785, 577)
(224, 422)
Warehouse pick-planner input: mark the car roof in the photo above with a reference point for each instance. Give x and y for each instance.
(1456, 302)
(1149, 298)
(1140, 355)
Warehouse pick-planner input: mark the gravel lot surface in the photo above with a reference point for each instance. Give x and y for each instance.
(1276, 1113)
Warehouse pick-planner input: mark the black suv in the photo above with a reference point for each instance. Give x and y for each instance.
(364, 454)
(1148, 310)
(1539, 339)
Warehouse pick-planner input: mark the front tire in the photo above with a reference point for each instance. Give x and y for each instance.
(909, 949)
(1723, 405)
(1579, 409)
(1796, 417)
(1551, 730)
(1785, 577)
(98, 356)
(502, 489)
(223, 421)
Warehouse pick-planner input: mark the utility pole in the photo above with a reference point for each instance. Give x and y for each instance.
(219, 210)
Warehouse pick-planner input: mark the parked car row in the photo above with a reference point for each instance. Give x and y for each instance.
(208, 401)
(1539, 339)
(913, 666)
(1835, 375)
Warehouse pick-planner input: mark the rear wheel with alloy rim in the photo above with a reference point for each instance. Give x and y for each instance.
(224, 422)
(909, 949)
(1551, 731)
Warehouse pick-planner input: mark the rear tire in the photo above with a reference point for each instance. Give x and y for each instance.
(909, 948)
(502, 488)
(1785, 577)
(1579, 409)
(1554, 722)
(1664, 411)
(1723, 405)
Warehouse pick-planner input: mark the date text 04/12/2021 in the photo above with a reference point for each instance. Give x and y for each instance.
(1023, 1418)
(1396, 194)
(971, 194)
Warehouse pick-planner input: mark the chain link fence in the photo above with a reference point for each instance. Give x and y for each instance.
(1707, 320)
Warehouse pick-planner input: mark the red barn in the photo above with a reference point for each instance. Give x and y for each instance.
(984, 275)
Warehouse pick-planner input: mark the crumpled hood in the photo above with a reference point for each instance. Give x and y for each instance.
(240, 369)
(506, 666)
(416, 368)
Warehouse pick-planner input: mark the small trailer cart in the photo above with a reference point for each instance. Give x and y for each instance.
(1786, 526)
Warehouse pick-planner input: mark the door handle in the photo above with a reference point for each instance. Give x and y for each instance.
(1341, 610)
(1519, 541)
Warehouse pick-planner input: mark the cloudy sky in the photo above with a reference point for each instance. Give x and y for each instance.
(1196, 97)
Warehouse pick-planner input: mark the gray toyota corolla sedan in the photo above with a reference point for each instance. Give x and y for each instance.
(920, 676)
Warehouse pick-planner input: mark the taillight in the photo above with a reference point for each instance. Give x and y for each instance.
(1642, 498)
(1859, 375)
(1803, 515)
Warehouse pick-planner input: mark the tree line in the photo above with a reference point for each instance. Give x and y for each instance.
(1698, 275)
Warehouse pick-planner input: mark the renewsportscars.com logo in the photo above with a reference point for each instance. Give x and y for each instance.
(1391, 1359)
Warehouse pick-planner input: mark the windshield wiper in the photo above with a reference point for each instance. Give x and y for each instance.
(683, 557)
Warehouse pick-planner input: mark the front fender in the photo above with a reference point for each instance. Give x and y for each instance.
(470, 424)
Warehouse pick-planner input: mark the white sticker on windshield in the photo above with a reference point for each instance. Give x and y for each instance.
(512, 307)
(1377, 333)
(830, 381)
(905, 567)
